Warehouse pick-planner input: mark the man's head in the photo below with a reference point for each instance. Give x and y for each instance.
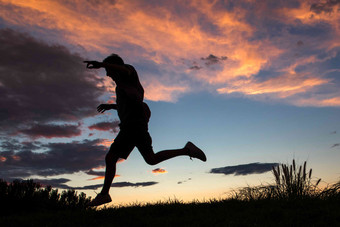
(114, 59)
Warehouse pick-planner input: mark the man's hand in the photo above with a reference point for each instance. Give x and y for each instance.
(93, 64)
(103, 107)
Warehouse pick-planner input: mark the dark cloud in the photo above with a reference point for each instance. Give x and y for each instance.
(181, 182)
(11, 144)
(299, 43)
(106, 126)
(95, 173)
(195, 67)
(52, 158)
(208, 61)
(88, 187)
(118, 185)
(245, 169)
(334, 132)
(51, 131)
(212, 59)
(129, 184)
(335, 145)
(55, 183)
(324, 6)
(30, 145)
(61, 184)
(40, 83)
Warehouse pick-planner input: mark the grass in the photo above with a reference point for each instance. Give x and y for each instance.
(23, 196)
(216, 213)
(294, 200)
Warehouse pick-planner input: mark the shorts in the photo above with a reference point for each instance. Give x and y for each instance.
(127, 139)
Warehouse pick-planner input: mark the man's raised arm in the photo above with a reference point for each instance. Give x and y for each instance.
(107, 66)
(103, 107)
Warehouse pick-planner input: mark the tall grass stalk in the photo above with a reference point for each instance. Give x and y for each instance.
(294, 181)
(291, 182)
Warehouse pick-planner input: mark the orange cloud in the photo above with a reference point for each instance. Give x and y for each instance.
(107, 83)
(3, 159)
(307, 15)
(101, 177)
(159, 171)
(161, 35)
(245, 61)
(98, 178)
(282, 86)
(157, 91)
(16, 157)
(164, 36)
(318, 101)
(107, 143)
(99, 168)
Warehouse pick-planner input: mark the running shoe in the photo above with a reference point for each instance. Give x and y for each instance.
(195, 152)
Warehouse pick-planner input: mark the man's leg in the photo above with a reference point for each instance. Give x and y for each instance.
(120, 148)
(151, 158)
(154, 158)
(110, 172)
(110, 160)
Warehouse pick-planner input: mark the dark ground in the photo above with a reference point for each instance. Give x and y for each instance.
(219, 213)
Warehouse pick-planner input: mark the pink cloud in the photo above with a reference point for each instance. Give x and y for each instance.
(283, 86)
(159, 171)
(156, 91)
(158, 33)
(101, 177)
(106, 143)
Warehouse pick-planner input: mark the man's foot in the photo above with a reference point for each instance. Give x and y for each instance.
(195, 152)
(100, 200)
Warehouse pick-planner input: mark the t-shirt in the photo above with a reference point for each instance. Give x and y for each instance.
(132, 111)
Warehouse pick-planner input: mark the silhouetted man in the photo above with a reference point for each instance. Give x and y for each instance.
(134, 116)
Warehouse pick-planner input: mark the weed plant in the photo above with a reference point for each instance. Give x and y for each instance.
(292, 182)
(27, 195)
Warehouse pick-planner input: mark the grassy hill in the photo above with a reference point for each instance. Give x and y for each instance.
(295, 200)
(309, 212)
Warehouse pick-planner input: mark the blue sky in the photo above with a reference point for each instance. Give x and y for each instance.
(246, 81)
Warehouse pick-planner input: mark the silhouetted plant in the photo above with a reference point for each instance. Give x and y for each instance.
(254, 193)
(331, 192)
(70, 199)
(294, 181)
(291, 182)
(29, 196)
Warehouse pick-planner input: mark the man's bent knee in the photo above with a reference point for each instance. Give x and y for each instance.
(151, 160)
(111, 158)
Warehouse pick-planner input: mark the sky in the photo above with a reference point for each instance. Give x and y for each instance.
(252, 83)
